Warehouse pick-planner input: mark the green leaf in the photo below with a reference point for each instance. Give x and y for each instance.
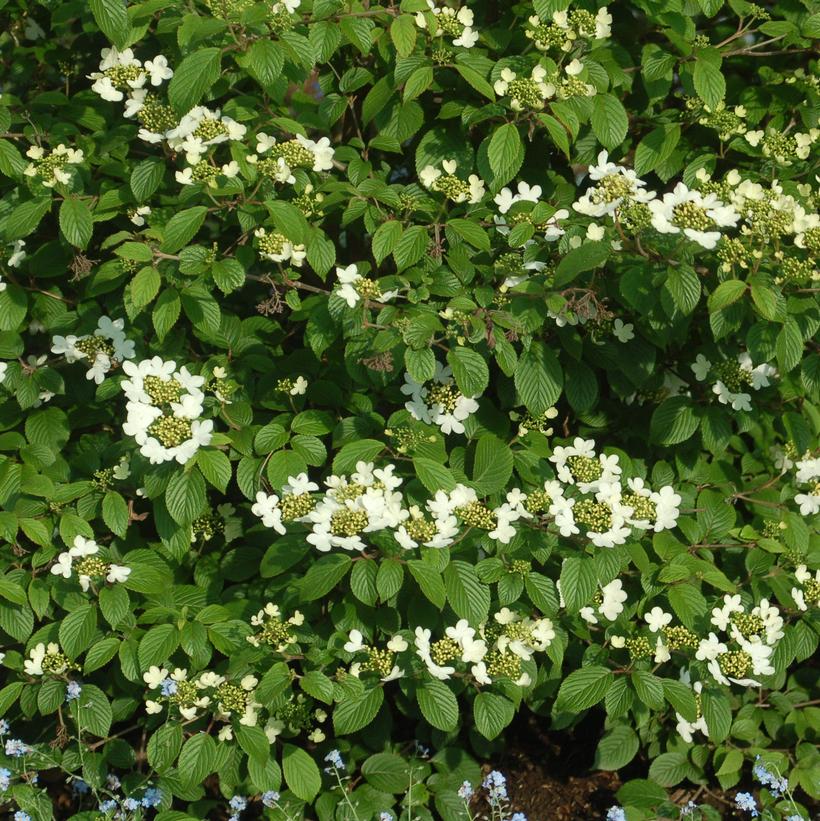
(609, 120)
(185, 496)
(433, 475)
(92, 711)
(215, 467)
(726, 293)
(586, 257)
(76, 223)
(681, 697)
(492, 465)
(301, 773)
(77, 630)
(709, 82)
(418, 82)
(386, 238)
(470, 371)
(112, 18)
(146, 178)
(684, 286)
(789, 346)
(386, 772)
(583, 688)
(505, 154)
(717, 712)
(538, 378)
(324, 575)
(429, 580)
(438, 705)
(474, 234)
(253, 741)
(468, 597)
(669, 769)
(166, 312)
(182, 228)
(157, 645)
(164, 745)
(578, 582)
(115, 512)
(265, 61)
(616, 749)
(354, 713)
(492, 713)
(411, 247)
(403, 34)
(228, 275)
(673, 421)
(198, 758)
(192, 79)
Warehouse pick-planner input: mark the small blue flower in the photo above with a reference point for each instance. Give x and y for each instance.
(5, 779)
(151, 798)
(4, 726)
(168, 687)
(73, 690)
(746, 801)
(21, 816)
(108, 806)
(386, 816)
(131, 804)
(796, 818)
(615, 814)
(270, 798)
(334, 758)
(16, 748)
(238, 803)
(496, 786)
(519, 816)
(465, 791)
(113, 782)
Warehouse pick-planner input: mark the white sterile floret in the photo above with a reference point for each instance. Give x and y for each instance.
(105, 349)
(696, 215)
(615, 187)
(446, 182)
(613, 598)
(164, 407)
(439, 402)
(353, 287)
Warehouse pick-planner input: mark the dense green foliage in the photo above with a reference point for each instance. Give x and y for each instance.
(376, 374)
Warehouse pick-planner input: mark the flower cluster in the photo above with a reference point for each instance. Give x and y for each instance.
(164, 408)
(50, 166)
(208, 691)
(83, 559)
(444, 21)
(732, 376)
(569, 30)
(353, 287)
(105, 349)
(439, 401)
(444, 180)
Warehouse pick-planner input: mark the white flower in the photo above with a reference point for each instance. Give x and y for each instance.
(106, 89)
(595, 233)
(700, 367)
(154, 676)
(139, 214)
(623, 330)
(687, 210)
(18, 254)
(657, 619)
(62, 566)
(574, 68)
(614, 597)
(710, 648)
(354, 643)
(348, 277)
(158, 70)
(117, 573)
(809, 503)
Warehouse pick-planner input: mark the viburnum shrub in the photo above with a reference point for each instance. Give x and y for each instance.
(377, 375)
